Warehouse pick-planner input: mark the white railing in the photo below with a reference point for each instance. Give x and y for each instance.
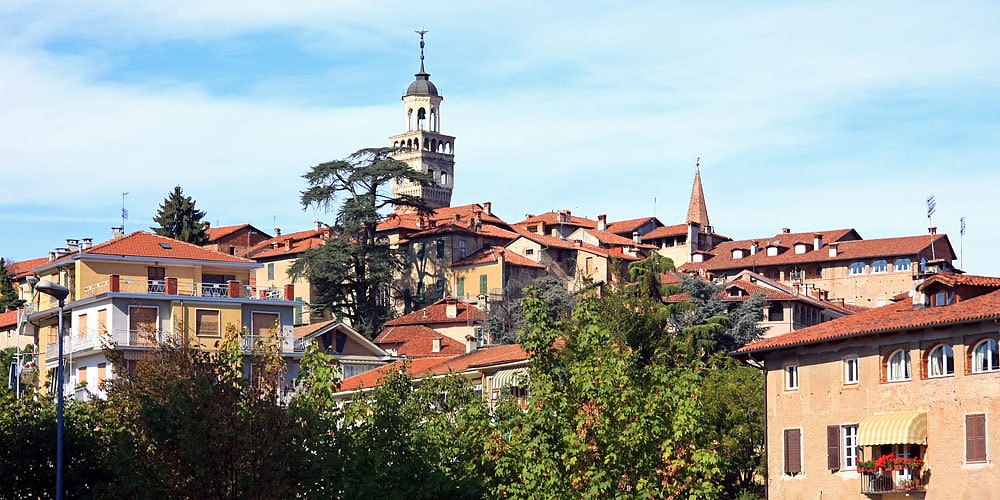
(97, 288)
(188, 288)
(156, 286)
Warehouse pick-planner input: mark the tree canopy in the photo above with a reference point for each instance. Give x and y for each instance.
(178, 218)
(8, 294)
(353, 273)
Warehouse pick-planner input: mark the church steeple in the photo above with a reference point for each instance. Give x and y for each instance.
(423, 146)
(697, 208)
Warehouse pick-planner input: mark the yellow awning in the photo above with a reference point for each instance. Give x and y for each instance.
(513, 377)
(894, 428)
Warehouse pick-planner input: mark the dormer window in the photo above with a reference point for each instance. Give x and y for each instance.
(801, 248)
(943, 298)
(772, 251)
(857, 267)
(880, 266)
(738, 253)
(901, 265)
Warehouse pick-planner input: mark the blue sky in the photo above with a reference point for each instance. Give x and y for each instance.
(807, 115)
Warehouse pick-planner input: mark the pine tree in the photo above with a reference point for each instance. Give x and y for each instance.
(8, 294)
(179, 219)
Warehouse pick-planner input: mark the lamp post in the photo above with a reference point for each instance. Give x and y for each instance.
(59, 293)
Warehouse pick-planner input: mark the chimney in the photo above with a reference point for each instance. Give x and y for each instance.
(470, 344)
(833, 248)
(458, 217)
(932, 230)
(117, 232)
(785, 230)
(87, 243)
(451, 310)
(72, 245)
(817, 241)
(636, 237)
(425, 312)
(277, 231)
(206, 225)
(578, 243)
(753, 248)
(319, 224)
(436, 344)
(288, 245)
(488, 207)
(602, 222)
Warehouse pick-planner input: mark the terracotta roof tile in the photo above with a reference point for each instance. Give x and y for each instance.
(954, 279)
(372, 378)
(215, 233)
(417, 341)
(554, 242)
(491, 255)
(143, 244)
(289, 244)
(628, 226)
(482, 357)
(666, 231)
(553, 218)
(23, 268)
(8, 319)
(437, 313)
(408, 218)
(890, 318)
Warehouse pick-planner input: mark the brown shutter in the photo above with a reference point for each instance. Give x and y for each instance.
(833, 447)
(793, 451)
(975, 438)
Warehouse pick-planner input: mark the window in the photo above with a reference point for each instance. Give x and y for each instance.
(270, 271)
(439, 247)
(941, 361)
(298, 312)
(793, 451)
(155, 278)
(81, 376)
(102, 373)
(943, 298)
(439, 289)
(529, 251)
(461, 249)
(857, 268)
(851, 371)
(262, 323)
(899, 366)
(975, 437)
(985, 357)
(776, 312)
(483, 288)
(206, 323)
(102, 321)
(81, 328)
(819, 271)
(460, 286)
(791, 377)
(143, 324)
(842, 447)
(420, 250)
(901, 265)
(880, 266)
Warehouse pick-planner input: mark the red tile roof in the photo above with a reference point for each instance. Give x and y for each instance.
(553, 218)
(409, 218)
(437, 313)
(721, 257)
(900, 316)
(666, 231)
(417, 341)
(954, 279)
(491, 255)
(290, 244)
(143, 244)
(23, 268)
(612, 239)
(372, 378)
(215, 233)
(551, 241)
(8, 319)
(628, 226)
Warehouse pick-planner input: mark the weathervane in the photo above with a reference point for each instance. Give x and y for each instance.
(697, 163)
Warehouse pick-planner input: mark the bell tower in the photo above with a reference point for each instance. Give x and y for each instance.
(423, 146)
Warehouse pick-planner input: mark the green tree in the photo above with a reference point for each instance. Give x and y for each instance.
(353, 272)
(179, 219)
(604, 422)
(644, 276)
(719, 325)
(505, 318)
(8, 294)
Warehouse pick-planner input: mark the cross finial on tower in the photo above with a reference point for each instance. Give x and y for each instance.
(421, 32)
(697, 163)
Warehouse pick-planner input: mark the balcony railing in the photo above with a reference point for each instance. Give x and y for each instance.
(182, 287)
(74, 342)
(892, 481)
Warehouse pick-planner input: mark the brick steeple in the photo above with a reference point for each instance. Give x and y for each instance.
(698, 209)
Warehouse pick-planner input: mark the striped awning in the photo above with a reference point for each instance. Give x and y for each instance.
(894, 428)
(509, 378)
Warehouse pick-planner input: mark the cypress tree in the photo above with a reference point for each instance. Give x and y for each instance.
(8, 294)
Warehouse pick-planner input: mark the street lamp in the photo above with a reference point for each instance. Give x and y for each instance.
(59, 293)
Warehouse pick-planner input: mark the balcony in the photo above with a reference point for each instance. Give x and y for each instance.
(251, 343)
(96, 340)
(190, 288)
(894, 481)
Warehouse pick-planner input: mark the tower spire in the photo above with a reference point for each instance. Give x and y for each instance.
(697, 208)
(422, 32)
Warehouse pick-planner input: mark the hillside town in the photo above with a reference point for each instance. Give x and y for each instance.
(842, 319)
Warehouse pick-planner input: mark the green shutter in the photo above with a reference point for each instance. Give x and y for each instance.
(439, 292)
(460, 287)
(298, 312)
(270, 271)
(483, 288)
(439, 243)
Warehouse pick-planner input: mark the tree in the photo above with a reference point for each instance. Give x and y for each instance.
(506, 317)
(8, 294)
(644, 275)
(603, 422)
(179, 219)
(720, 325)
(353, 272)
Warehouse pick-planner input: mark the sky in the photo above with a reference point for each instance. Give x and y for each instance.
(807, 115)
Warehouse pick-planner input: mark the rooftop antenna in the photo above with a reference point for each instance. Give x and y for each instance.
(421, 32)
(961, 244)
(124, 211)
(931, 206)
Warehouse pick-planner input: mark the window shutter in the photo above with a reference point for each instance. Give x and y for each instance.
(793, 451)
(833, 447)
(975, 438)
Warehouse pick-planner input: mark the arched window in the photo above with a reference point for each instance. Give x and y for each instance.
(409, 119)
(898, 367)
(941, 361)
(986, 357)
(434, 120)
(421, 117)
(444, 178)
(901, 265)
(880, 266)
(857, 267)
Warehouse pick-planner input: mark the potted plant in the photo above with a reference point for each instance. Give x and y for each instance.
(914, 465)
(885, 462)
(867, 466)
